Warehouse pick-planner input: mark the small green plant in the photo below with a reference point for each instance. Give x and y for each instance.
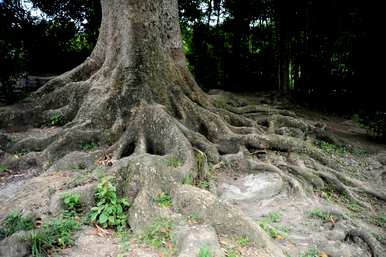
(88, 146)
(110, 210)
(194, 217)
(57, 233)
(243, 241)
(56, 119)
(313, 252)
(231, 252)
(15, 222)
(164, 200)
(173, 162)
(72, 204)
(188, 180)
(3, 167)
(273, 231)
(331, 148)
(319, 214)
(158, 234)
(205, 252)
(380, 220)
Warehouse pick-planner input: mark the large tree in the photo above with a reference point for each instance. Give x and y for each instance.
(135, 96)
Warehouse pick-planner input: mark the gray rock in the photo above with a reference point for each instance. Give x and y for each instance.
(191, 239)
(15, 246)
(252, 187)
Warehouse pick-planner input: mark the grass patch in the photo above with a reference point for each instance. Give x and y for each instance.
(15, 222)
(273, 231)
(158, 234)
(3, 167)
(56, 119)
(88, 146)
(173, 162)
(231, 252)
(72, 206)
(194, 218)
(205, 251)
(110, 210)
(331, 194)
(319, 214)
(380, 220)
(164, 200)
(313, 252)
(57, 233)
(243, 241)
(331, 148)
(188, 180)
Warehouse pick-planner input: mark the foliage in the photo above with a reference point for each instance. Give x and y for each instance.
(57, 233)
(88, 146)
(164, 200)
(273, 231)
(56, 119)
(174, 162)
(158, 234)
(319, 214)
(110, 210)
(72, 203)
(3, 167)
(205, 252)
(232, 253)
(379, 220)
(374, 122)
(313, 252)
(243, 241)
(331, 148)
(15, 222)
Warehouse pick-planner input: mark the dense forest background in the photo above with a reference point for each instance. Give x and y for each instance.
(324, 54)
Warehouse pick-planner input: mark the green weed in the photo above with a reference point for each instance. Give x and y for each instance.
(72, 204)
(56, 119)
(319, 214)
(273, 231)
(173, 162)
(232, 253)
(331, 148)
(164, 200)
(158, 234)
(15, 222)
(110, 210)
(243, 241)
(205, 252)
(57, 233)
(88, 146)
(313, 252)
(3, 167)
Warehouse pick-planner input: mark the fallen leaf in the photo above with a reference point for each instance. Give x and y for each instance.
(323, 254)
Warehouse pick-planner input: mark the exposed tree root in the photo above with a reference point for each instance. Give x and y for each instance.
(154, 135)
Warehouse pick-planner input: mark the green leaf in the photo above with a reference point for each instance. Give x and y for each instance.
(112, 220)
(93, 216)
(103, 218)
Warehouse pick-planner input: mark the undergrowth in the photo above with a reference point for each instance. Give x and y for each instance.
(15, 222)
(110, 211)
(158, 235)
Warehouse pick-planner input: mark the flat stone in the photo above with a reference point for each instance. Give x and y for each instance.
(252, 187)
(191, 239)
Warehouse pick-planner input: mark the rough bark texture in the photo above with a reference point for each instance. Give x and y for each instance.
(135, 98)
